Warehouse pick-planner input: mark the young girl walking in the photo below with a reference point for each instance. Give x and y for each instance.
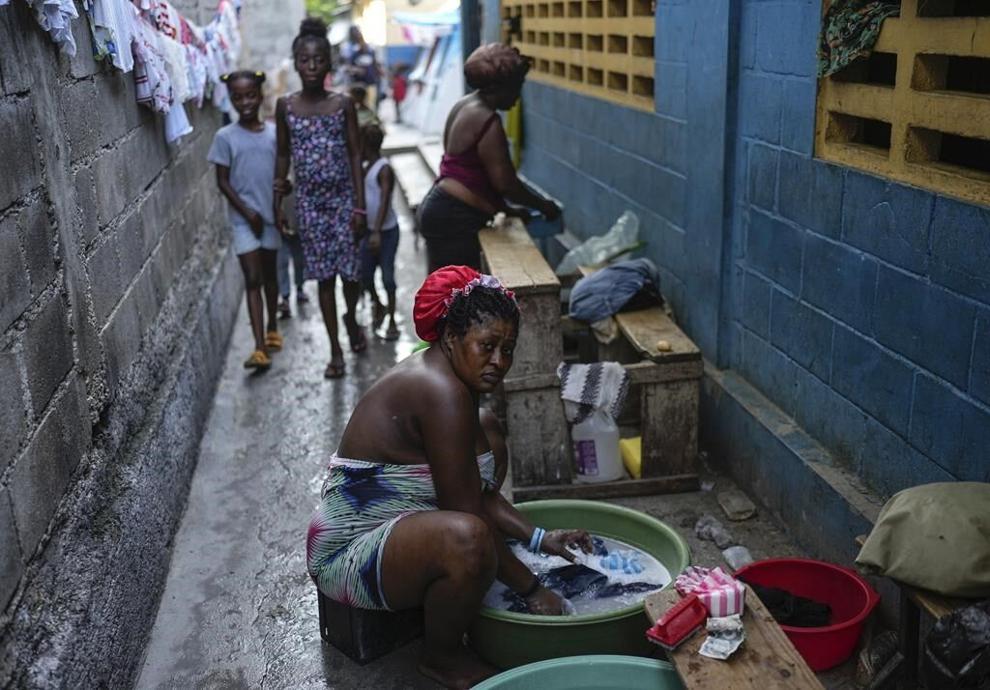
(244, 153)
(379, 247)
(317, 133)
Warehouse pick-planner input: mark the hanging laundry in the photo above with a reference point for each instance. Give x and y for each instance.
(177, 67)
(112, 24)
(154, 88)
(225, 23)
(55, 17)
(176, 123)
(217, 66)
(166, 19)
(850, 29)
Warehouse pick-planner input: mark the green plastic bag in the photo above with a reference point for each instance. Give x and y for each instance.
(936, 537)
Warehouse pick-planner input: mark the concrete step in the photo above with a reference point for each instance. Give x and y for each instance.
(413, 175)
(431, 152)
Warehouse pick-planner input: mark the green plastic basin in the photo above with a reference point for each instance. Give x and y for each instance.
(508, 639)
(595, 672)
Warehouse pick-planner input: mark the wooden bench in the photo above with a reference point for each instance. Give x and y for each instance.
(538, 437)
(669, 383)
(538, 440)
(912, 603)
(767, 660)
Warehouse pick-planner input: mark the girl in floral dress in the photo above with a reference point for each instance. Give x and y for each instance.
(317, 132)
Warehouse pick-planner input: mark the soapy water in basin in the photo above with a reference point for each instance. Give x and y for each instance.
(615, 576)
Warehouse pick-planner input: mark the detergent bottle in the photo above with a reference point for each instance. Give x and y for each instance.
(596, 449)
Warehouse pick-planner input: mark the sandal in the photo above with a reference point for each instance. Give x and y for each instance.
(391, 333)
(359, 343)
(378, 314)
(274, 341)
(258, 360)
(334, 370)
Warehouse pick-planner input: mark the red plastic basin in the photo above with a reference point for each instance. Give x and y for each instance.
(850, 596)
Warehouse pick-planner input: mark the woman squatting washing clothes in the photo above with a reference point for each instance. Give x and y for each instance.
(411, 514)
(476, 172)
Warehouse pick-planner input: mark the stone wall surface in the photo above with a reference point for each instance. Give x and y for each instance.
(117, 293)
(858, 306)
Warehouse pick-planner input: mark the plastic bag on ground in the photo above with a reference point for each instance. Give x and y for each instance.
(623, 236)
(957, 651)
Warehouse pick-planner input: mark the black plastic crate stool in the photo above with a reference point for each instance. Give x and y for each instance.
(365, 635)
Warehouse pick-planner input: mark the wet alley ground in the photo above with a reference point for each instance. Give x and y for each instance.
(239, 610)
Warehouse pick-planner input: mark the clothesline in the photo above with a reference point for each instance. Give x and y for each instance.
(173, 60)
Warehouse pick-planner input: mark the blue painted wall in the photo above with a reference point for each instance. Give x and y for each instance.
(859, 306)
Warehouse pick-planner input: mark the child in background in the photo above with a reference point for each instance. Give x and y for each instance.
(291, 249)
(399, 87)
(244, 153)
(317, 133)
(366, 116)
(379, 247)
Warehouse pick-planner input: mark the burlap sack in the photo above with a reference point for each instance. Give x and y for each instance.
(936, 537)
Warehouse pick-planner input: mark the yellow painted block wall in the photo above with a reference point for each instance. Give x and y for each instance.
(918, 110)
(602, 48)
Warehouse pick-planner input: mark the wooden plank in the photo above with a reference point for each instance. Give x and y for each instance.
(617, 489)
(767, 659)
(538, 440)
(513, 258)
(664, 372)
(644, 328)
(640, 373)
(669, 427)
(539, 347)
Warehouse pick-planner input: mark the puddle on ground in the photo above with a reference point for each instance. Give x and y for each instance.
(617, 575)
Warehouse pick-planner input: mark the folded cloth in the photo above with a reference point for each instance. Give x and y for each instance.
(605, 292)
(585, 388)
(722, 594)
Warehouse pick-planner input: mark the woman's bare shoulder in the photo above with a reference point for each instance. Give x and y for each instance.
(421, 385)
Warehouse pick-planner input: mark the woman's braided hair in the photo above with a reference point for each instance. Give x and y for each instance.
(474, 307)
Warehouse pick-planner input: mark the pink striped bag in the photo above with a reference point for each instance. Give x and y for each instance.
(722, 594)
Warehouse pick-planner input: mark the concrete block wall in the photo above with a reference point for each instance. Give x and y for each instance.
(600, 158)
(111, 247)
(857, 305)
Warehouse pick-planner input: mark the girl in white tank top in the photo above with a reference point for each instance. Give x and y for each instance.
(379, 247)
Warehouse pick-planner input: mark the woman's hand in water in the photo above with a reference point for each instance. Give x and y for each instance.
(543, 602)
(556, 541)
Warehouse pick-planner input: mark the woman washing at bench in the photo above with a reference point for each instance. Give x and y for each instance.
(476, 175)
(411, 514)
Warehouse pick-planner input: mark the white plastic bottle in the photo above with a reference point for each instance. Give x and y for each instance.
(596, 449)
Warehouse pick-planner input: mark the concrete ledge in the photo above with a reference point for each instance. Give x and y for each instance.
(823, 506)
(88, 601)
